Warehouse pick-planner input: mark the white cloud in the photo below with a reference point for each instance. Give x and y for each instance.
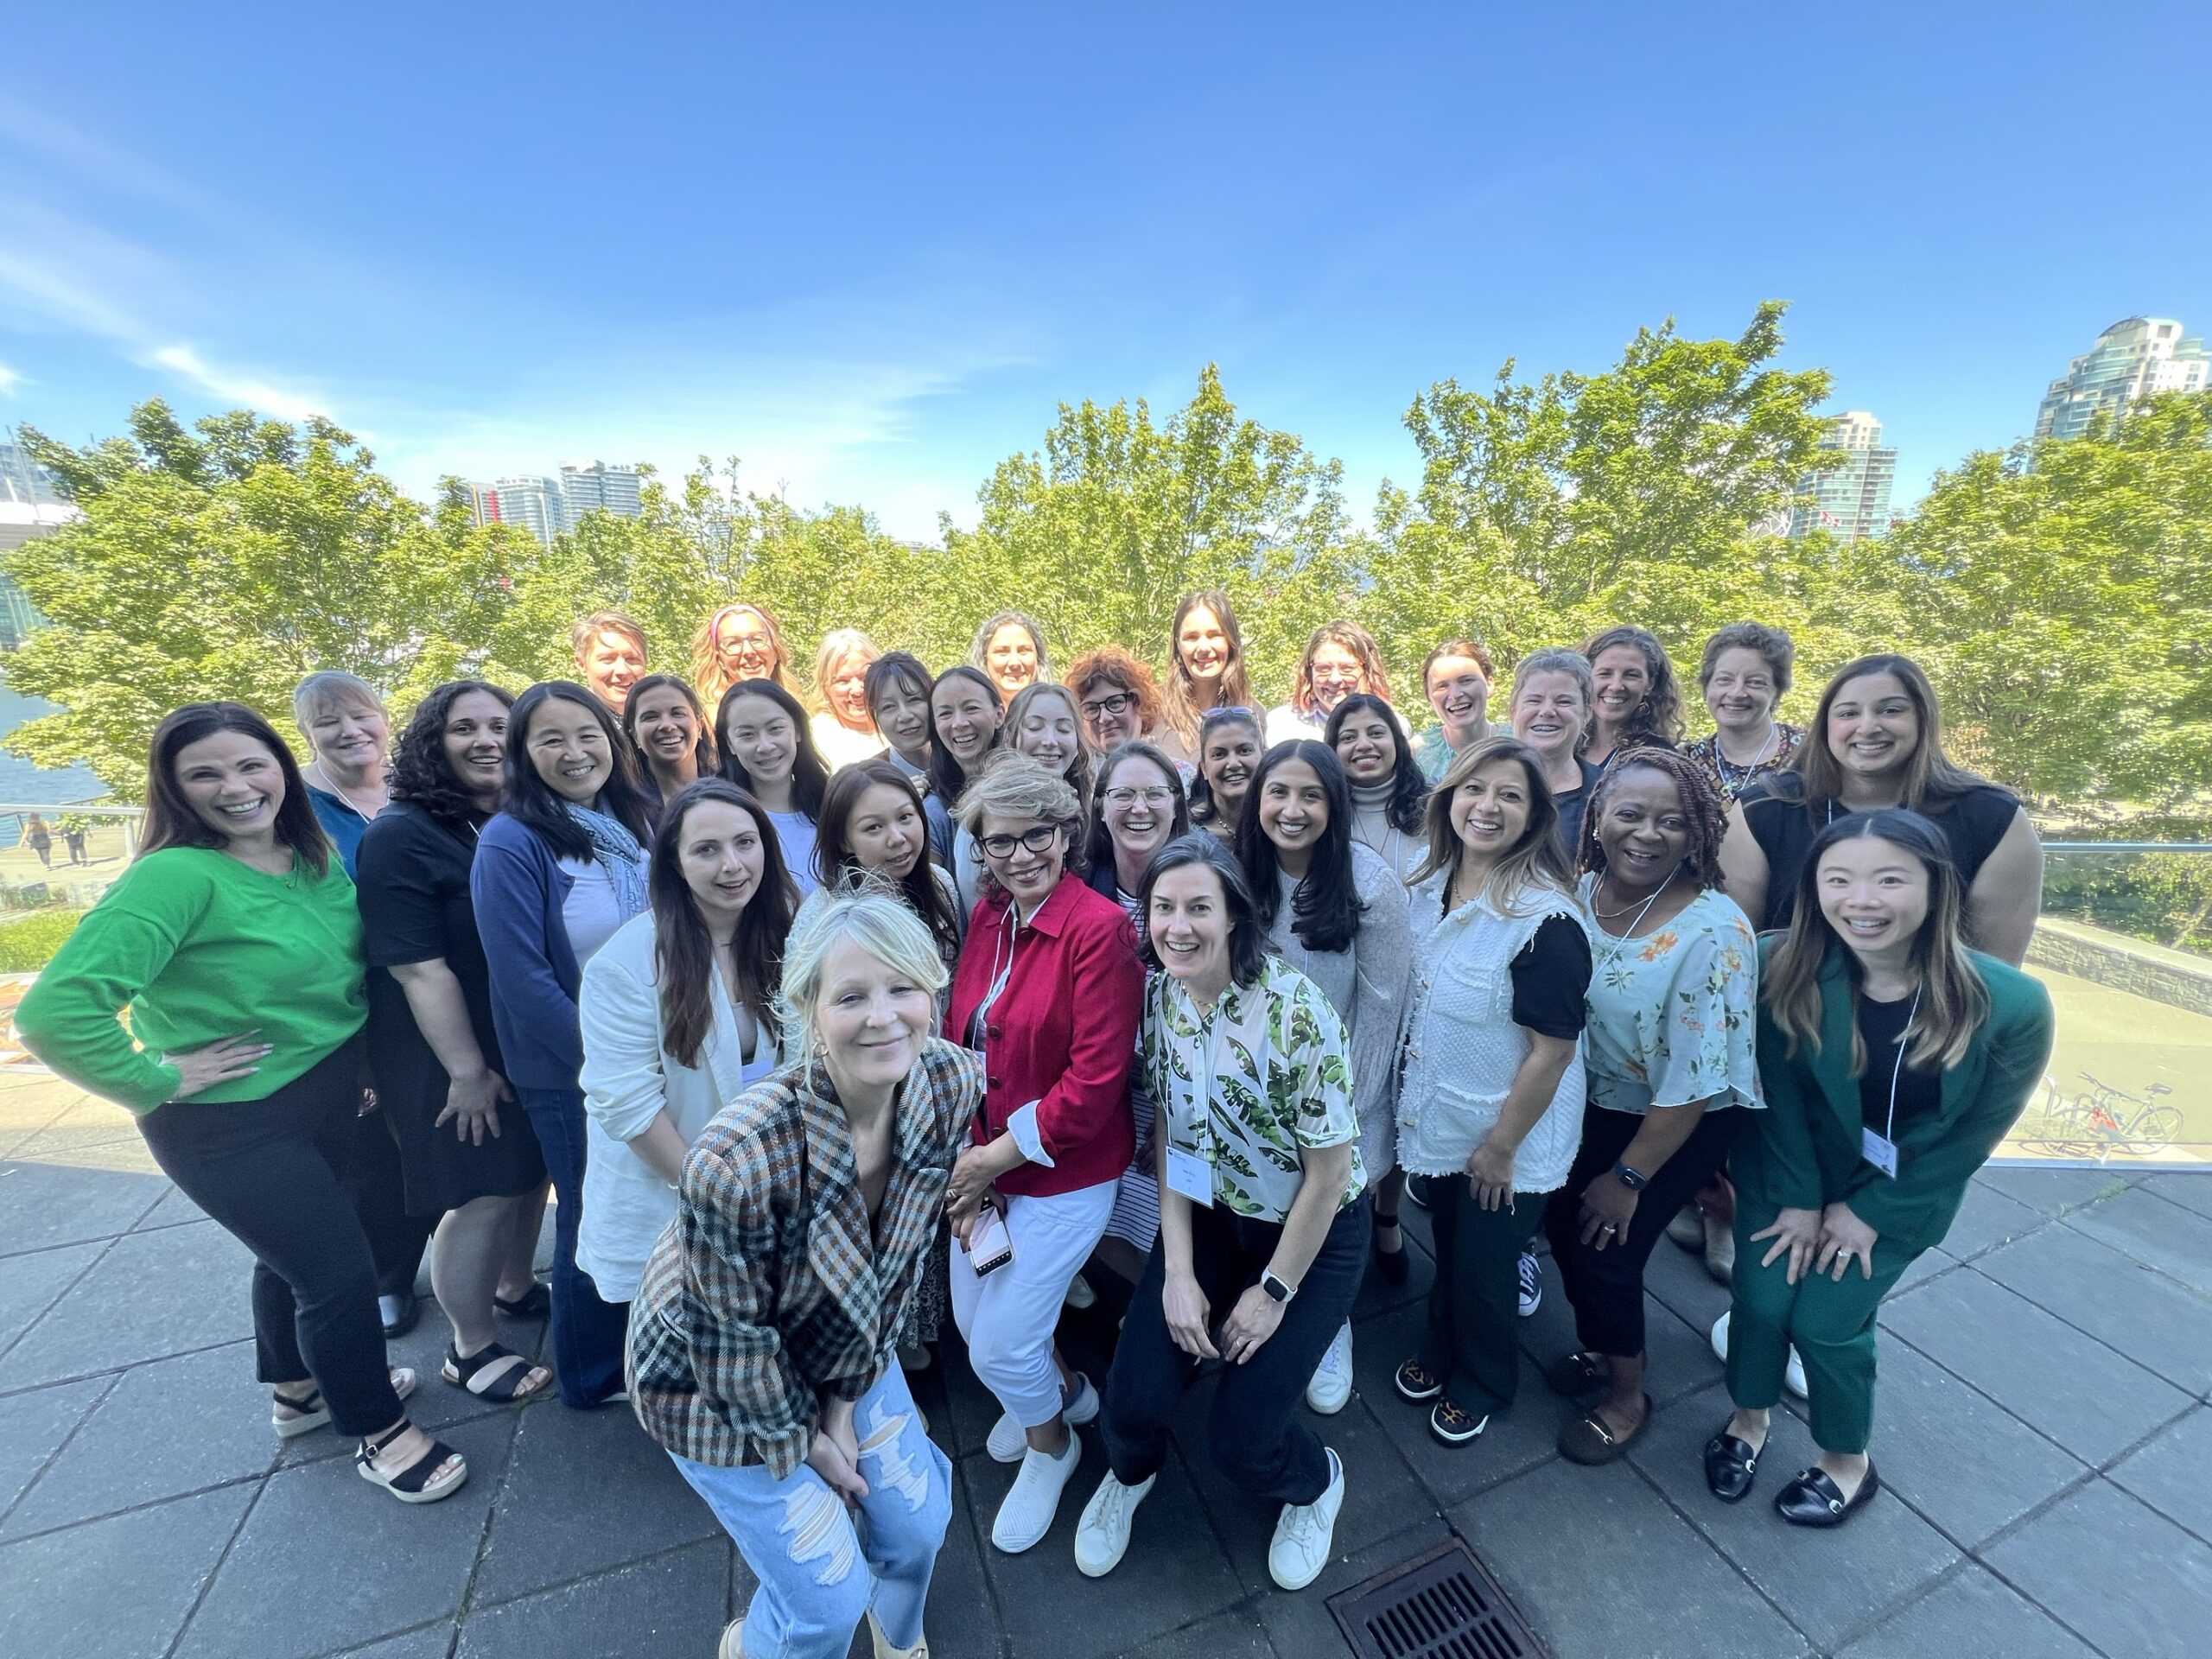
(239, 388)
(10, 379)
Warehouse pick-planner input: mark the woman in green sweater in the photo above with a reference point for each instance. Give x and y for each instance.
(1894, 1060)
(234, 943)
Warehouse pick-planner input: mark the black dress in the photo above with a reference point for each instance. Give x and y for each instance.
(413, 879)
(1774, 810)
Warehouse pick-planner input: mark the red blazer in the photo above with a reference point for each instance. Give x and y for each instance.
(1061, 1033)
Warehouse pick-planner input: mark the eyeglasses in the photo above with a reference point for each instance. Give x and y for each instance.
(1153, 797)
(1239, 712)
(1037, 840)
(1336, 677)
(1095, 712)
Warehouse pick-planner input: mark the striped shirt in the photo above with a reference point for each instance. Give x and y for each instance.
(771, 1291)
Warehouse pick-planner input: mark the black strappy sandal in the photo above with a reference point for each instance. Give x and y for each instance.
(504, 1388)
(313, 1412)
(535, 1303)
(419, 1482)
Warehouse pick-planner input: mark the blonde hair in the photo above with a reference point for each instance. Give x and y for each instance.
(836, 644)
(707, 671)
(1077, 771)
(329, 689)
(872, 917)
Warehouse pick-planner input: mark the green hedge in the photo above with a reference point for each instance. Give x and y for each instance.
(28, 944)
(2165, 897)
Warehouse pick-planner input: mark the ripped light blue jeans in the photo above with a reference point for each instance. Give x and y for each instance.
(822, 1565)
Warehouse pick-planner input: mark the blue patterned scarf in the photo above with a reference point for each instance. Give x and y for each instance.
(612, 845)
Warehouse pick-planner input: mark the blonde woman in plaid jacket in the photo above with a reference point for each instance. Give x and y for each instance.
(763, 1336)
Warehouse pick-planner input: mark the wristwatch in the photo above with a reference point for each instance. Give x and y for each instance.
(1276, 1289)
(1631, 1179)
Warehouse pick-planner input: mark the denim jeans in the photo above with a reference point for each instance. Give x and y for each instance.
(1255, 1435)
(818, 1572)
(589, 1333)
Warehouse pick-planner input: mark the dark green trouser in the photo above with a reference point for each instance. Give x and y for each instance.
(1831, 1324)
(1474, 1315)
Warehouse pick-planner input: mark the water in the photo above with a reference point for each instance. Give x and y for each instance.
(21, 781)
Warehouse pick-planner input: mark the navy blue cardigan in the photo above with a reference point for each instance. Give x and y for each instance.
(519, 888)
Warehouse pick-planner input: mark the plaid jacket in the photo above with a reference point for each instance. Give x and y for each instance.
(768, 1291)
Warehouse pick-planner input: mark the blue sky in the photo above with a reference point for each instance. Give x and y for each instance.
(870, 250)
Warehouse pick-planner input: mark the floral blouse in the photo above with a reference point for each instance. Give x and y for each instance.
(1674, 1011)
(1251, 1084)
(1731, 779)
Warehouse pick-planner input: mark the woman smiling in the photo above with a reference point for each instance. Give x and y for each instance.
(667, 728)
(1206, 667)
(1228, 754)
(1742, 675)
(1635, 699)
(967, 722)
(768, 752)
(738, 643)
(1456, 678)
(1387, 790)
(1551, 708)
(843, 725)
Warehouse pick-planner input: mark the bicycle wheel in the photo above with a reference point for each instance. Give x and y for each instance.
(2153, 1131)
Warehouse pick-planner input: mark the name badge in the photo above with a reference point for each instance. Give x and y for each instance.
(1879, 1151)
(1190, 1176)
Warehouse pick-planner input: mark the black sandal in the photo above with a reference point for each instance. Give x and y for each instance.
(502, 1388)
(535, 1303)
(1589, 1440)
(419, 1482)
(313, 1411)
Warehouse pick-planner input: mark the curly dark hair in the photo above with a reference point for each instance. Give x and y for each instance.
(1702, 805)
(420, 772)
(1658, 717)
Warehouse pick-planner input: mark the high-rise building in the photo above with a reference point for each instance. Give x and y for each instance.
(2132, 359)
(23, 481)
(594, 486)
(534, 504)
(483, 501)
(30, 507)
(1853, 500)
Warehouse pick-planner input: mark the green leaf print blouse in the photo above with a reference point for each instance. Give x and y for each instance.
(1251, 1085)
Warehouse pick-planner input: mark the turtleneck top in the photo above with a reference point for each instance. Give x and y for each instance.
(1371, 826)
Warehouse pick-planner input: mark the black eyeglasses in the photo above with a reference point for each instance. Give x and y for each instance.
(1038, 839)
(1114, 704)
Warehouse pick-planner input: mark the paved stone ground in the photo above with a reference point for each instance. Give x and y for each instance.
(2044, 1431)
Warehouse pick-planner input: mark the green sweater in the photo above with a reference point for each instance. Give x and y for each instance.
(199, 947)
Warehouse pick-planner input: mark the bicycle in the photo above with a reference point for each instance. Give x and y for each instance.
(2106, 1120)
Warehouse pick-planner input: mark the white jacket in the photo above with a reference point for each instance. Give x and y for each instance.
(628, 1077)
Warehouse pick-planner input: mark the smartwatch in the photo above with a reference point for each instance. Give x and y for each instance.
(1276, 1289)
(1631, 1179)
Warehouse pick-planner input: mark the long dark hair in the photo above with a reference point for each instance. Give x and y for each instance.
(532, 802)
(1248, 933)
(1538, 859)
(703, 751)
(947, 777)
(170, 819)
(836, 866)
(1932, 779)
(1658, 717)
(809, 777)
(1102, 840)
(1325, 907)
(1409, 789)
(1954, 1002)
(421, 773)
(1203, 808)
(684, 954)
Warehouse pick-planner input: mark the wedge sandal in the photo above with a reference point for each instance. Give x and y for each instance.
(314, 1411)
(420, 1482)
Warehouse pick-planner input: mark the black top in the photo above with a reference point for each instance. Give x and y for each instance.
(415, 907)
(1919, 1092)
(1974, 821)
(1551, 978)
(1571, 804)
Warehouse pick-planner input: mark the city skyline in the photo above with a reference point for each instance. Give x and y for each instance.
(878, 274)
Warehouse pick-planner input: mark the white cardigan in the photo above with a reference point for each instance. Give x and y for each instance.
(628, 1077)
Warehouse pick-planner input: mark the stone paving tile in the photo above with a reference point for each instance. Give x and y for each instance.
(1928, 1265)
(377, 1566)
(1236, 1633)
(1515, 1440)
(118, 1588)
(431, 1641)
(2169, 1473)
(175, 1209)
(1677, 1278)
(33, 1424)
(2090, 1559)
(1301, 1625)
(1987, 1218)
(583, 1494)
(2116, 1298)
(2170, 1237)
(1564, 1542)
(2093, 1401)
(1969, 1616)
(29, 1285)
(959, 1620)
(151, 1294)
(1831, 1582)
(1962, 1460)
(2055, 1191)
(1176, 1569)
(174, 1425)
(45, 1205)
(28, 1105)
(674, 1604)
(2191, 1189)
(90, 1122)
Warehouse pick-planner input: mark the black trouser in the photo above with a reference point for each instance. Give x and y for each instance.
(396, 1240)
(1472, 1345)
(272, 1173)
(1606, 1286)
(1255, 1433)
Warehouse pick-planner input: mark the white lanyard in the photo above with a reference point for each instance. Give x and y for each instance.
(980, 1020)
(1881, 1150)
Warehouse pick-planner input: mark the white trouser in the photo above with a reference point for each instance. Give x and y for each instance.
(1007, 1318)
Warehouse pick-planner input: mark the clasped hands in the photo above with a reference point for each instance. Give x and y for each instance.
(1256, 1316)
(1825, 1240)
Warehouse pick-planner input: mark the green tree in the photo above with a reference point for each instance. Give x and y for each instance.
(228, 561)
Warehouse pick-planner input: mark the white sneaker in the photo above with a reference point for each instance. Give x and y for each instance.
(1005, 1442)
(1080, 1295)
(1306, 1534)
(1025, 1514)
(1101, 1537)
(1793, 1374)
(1332, 1384)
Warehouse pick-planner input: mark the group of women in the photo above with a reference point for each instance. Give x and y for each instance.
(956, 990)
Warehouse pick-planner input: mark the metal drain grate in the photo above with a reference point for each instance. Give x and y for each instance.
(1441, 1606)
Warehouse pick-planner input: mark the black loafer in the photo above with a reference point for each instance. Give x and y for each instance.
(1730, 1464)
(1578, 1374)
(398, 1314)
(1813, 1500)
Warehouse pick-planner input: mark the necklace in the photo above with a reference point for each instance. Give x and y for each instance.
(1720, 748)
(345, 795)
(1608, 915)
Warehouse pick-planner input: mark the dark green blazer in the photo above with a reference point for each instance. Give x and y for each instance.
(1804, 1151)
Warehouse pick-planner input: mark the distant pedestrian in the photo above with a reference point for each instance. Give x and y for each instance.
(41, 839)
(72, 837)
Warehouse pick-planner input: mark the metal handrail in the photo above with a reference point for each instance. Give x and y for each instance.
(2124, 846)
